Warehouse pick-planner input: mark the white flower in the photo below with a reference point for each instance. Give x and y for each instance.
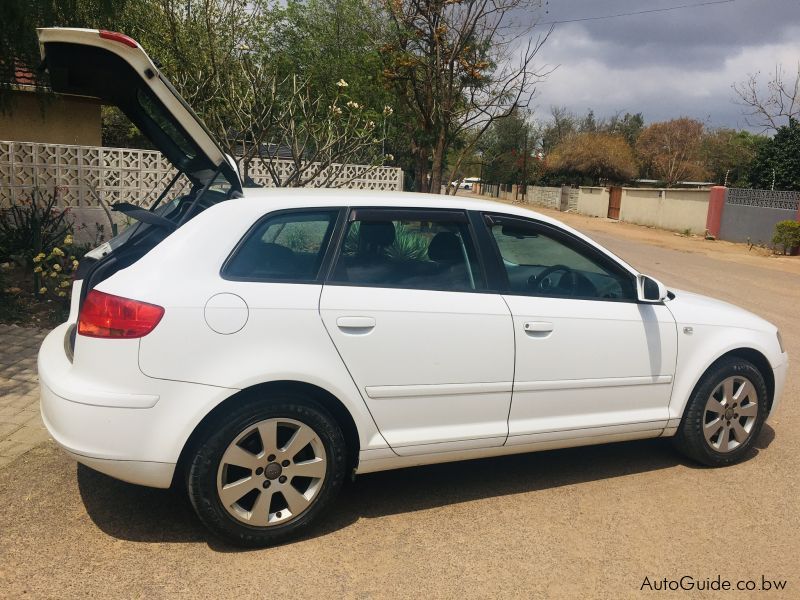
(335, 110)
(341, 83)
(353, 105)
(390, 157)
(387, 110)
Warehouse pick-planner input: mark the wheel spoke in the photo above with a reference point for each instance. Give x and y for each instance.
(259, 515)
(724, 435)
(268, 431)
(296, 501)
(238, 456)
(709, 429)
(748, 410)
(739, 432)
(310, 468)
(746, 390)
(233, 492)
(727, 391)
(300, 440)
(714, 406)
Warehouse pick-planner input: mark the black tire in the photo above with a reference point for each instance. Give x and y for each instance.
(690, 439)
(204, 466)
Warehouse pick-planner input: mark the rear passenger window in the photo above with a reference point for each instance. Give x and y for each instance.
(286, 247)
(425, 253)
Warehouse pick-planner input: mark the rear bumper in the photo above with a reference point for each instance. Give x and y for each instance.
(122, 423)
(86, 434)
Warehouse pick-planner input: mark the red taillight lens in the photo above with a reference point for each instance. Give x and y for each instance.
(106, 316)
(118, 37)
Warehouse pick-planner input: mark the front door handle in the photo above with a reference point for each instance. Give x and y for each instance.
(357, 325)
(538, 328)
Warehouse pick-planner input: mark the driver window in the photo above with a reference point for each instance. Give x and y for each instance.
(540, 263)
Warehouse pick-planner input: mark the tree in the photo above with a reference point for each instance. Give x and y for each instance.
(728, 155)
(507, 148)
(19, 46)
(224, 58)
(592, 157)
(670, 151)
(563, 125)
(455, 66)
(774, 107)
(777, 164)
(628, 126)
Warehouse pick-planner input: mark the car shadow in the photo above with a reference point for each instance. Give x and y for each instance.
(140, 514)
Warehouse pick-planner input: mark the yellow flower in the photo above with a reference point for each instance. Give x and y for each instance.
(39, 257)
(64, 284)
(68, 240)
(62, 294)
(38, 269)
(56, 267)
(58, 252)
(74, 264)
(53, 274)
(43, 290)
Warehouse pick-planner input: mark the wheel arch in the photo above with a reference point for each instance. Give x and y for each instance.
(324, 397)
(756, 357)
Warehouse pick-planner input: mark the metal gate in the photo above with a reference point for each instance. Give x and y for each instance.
(614, 202)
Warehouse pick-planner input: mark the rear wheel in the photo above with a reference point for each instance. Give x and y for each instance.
(268, 471)
(725, 414)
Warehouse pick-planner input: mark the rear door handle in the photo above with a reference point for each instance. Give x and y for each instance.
(537, 327)
(355, 324)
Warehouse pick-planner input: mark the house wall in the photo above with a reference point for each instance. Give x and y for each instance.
(593, 201)
(677, 210)
(52, 119)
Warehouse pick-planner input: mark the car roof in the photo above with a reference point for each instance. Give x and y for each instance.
(313, 197)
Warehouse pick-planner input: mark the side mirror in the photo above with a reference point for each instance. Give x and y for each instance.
(650, 290)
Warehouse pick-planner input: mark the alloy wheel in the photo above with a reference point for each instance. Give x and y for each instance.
(730, 414)
(272, 472)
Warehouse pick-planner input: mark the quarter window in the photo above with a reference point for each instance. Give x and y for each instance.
(418, 252)
(541, 262)
(289, 247)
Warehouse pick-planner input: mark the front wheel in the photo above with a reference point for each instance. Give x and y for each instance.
(267, 471)
(725, 413)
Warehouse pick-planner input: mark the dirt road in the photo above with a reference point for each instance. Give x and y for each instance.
(588, 522)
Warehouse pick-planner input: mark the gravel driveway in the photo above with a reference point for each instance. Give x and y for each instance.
(586, 522)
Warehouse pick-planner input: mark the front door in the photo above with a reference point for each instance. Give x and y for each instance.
(430, 350)
(590, 360)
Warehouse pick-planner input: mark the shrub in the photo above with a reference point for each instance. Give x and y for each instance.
(32, 226)
(787, 235)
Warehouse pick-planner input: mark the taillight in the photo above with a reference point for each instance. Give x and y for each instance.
(105, 316)
(115, 36)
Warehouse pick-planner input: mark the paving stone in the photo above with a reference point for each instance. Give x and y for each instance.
(21, 426)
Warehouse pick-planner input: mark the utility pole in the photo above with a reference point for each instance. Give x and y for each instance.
(525, 165)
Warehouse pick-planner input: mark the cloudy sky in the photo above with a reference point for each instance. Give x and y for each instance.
(663, 64)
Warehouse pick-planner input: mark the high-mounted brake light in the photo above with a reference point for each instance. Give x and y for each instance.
(118, 37)
(106, 316)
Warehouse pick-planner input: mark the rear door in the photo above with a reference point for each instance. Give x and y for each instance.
(115, 69)
(431, 350)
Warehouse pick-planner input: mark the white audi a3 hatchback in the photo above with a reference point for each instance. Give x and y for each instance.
(257, 347)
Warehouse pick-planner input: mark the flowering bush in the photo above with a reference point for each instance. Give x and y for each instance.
(53, 272)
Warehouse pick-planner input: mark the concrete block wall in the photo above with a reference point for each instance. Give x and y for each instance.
(673, 209)
(593, 201)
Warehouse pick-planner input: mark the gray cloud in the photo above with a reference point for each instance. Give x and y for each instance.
(664, 64)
